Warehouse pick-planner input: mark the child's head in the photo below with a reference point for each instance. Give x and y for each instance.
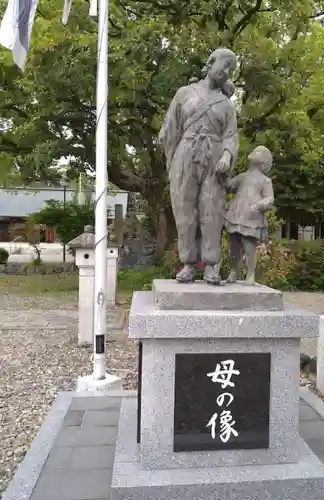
(261, 158)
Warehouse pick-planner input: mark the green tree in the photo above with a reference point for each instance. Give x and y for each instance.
(68, 221)
(155, 47)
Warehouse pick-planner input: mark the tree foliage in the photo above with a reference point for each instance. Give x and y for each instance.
(68, 221)
(155, 47)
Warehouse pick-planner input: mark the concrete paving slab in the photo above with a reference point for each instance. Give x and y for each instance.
(307, 413)
(73, 485)
(312, 430)
(100, 403)
(100, 418)
(91, 436)
(82, 457)
(317, 446)
(74, 418)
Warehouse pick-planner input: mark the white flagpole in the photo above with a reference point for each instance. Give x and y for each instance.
(100, 303)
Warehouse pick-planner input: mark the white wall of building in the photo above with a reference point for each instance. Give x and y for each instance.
(22, 202)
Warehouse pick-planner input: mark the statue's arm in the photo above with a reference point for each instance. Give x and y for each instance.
(268, 197)
(171, 131)
(230, 142)
(233, 183)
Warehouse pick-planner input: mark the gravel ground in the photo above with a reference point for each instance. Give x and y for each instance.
(34, 367)
(47, 302)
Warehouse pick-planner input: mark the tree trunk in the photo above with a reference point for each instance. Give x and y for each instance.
(163, 221)
(165, 232)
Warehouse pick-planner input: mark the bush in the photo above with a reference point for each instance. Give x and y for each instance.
(140, 278)
(284, 265)
(69, 221)
(308, 271)
(4, 255)
(276, 262)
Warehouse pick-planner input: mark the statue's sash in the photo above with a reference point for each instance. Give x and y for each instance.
(204, 109)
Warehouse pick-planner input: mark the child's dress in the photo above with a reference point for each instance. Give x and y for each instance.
(252, 187)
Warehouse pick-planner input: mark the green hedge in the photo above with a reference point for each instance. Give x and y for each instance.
(4, 255)
(307, 273)
(282, 264)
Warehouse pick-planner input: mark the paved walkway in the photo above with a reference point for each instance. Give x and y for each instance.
(79, 465)
(54, 320)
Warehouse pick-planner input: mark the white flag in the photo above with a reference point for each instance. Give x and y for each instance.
(66, 11)
(16, 28)
(93, 11)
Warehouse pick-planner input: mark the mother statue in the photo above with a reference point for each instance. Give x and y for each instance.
(199, 138)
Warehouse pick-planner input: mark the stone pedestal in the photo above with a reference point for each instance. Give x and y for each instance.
(219, 393)
(84, 258)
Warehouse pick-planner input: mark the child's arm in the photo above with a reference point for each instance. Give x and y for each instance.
(268, 197)
(233, 183)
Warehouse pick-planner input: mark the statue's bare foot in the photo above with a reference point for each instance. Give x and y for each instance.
(232, 277)
(211, 276)
(250, 280)
(186, 275)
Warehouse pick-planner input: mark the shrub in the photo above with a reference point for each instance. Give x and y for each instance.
(284, 265)
(140, 278)
(276, 262)
(69, 221)
(308, 271)
(4, 255)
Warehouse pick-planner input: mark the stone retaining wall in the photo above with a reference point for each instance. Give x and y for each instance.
(46, 268)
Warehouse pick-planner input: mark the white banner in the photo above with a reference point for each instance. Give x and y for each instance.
(16, 28)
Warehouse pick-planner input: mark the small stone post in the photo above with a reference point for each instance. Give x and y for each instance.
(112, 273)
(84, 249)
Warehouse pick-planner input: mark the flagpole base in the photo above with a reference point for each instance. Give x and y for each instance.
(90, 384)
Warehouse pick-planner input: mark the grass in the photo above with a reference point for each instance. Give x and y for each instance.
(66, 284)
(38, 284)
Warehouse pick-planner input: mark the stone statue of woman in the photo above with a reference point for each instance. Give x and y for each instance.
(199, 138)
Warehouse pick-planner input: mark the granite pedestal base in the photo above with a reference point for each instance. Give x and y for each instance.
(218, 398)
(165, 334)
(199, 296)
(298, 481)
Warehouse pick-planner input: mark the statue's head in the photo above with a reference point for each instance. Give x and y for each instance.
(219, 66)
(261, 158)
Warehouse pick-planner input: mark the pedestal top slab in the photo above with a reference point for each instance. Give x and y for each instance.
(199, 296)
(148, 322)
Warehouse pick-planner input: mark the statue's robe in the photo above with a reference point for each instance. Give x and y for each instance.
(199, 126)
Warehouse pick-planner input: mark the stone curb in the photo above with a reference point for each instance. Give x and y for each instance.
(112, 393)
(312, 400)
(24, 481)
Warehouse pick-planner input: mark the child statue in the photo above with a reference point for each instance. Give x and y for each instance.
(245, 220)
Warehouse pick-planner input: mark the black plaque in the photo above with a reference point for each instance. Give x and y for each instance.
(206, 406)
